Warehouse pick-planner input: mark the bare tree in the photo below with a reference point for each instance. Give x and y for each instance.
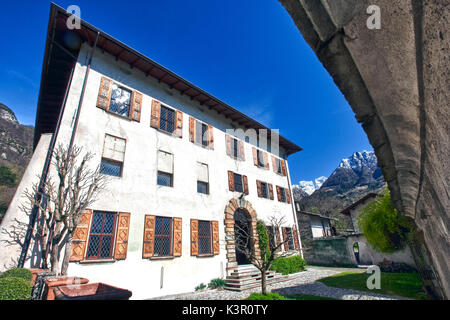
(247, 240)
(61, 204)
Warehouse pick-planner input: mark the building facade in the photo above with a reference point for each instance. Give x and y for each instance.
(179, 168)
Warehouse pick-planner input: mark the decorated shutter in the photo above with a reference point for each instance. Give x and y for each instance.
(258, 187)
(288, 196)
(228, 143)
(215, 237)
(194, 237)
(123, 226)
(179, 124)
(266, 160)
(104, 93)
(245, 182)
(285, 238)
(274, 164)
(278, 193)
(278, 238)
(297, 246)
(283, 167)
(270, 191)
(230, 180)
(136, 106)
(211, 137)
(177, 237)
(80, 236)
(191, 129)
(149, 236)
(255, 156)
(156, 114)
(241, 150)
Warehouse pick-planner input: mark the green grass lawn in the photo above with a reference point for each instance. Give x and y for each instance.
(408, 285)
(276, 296)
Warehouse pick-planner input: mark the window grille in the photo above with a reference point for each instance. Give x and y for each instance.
(163, 237)
(165, 179)
(238, 183)
(102, 235)
(167, 119)
(204, 237)
(283, 194)
(264, 190)
(111, 168)
(202, 134)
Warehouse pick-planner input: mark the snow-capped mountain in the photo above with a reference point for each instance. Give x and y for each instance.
(310, 186)
(358, 160)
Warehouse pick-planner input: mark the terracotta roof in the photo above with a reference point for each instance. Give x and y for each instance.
(59, 59)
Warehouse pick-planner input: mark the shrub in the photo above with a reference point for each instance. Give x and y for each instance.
(18, 273)
(7, 177)
(287, 265)
(12, 288)
(201, 286)
(216, 283)
(382, 226)
(268, 296)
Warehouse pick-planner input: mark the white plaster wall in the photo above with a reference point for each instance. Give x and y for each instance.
(316, 227)
(137, 192)
(9, 252)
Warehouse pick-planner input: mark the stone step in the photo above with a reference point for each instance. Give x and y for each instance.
(254, 284)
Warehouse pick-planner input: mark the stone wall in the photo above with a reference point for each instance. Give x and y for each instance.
(331, 251)
(396, 79)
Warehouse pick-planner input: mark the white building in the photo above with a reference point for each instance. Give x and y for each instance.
(165, 224)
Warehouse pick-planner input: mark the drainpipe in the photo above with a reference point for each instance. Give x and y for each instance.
(35, 210)
(293, 208)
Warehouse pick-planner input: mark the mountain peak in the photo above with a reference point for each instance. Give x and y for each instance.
(310, 186)
(7, 114)
(358, 160)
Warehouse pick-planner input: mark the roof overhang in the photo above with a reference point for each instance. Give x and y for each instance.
(59, 59)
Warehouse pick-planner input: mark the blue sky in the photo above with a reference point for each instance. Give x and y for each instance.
(247, 53)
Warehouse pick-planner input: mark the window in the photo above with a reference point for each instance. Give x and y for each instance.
(204, 237)
(165, 169)
(283, 194)
(120, 100)
(201, 133)
(113, 156)
(235, 147)
(278, 167)
(238, 187)
(163, 237)
(290, 237)
(101, 238)
(264, 190)
(167, 119)
(202, 178)
(260, 157)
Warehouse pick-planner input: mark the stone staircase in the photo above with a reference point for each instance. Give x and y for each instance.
(248, 277)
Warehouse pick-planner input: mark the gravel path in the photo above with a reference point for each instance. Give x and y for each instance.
(302, 282)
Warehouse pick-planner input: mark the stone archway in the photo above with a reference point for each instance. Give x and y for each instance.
(230, 209)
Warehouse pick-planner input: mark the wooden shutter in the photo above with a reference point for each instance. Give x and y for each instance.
(191, 129)
(278, 193)
(104, 93)
(215, 237)
(245, 183)
(177, 237)
(278, 238)
(136, 106)
(228, 143)
(194, 237)
(231, 180)
(258, 187)
(211, 137)
(156, 114)
(123, 226)
(286, 244)
(288, 196)
(270, 191)
(179, 124)
(241, 150)
(283, 167)
(274, 164)
(294, 232)
(266, 160)
(80, 236)
(149, 236)
(255, 156)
